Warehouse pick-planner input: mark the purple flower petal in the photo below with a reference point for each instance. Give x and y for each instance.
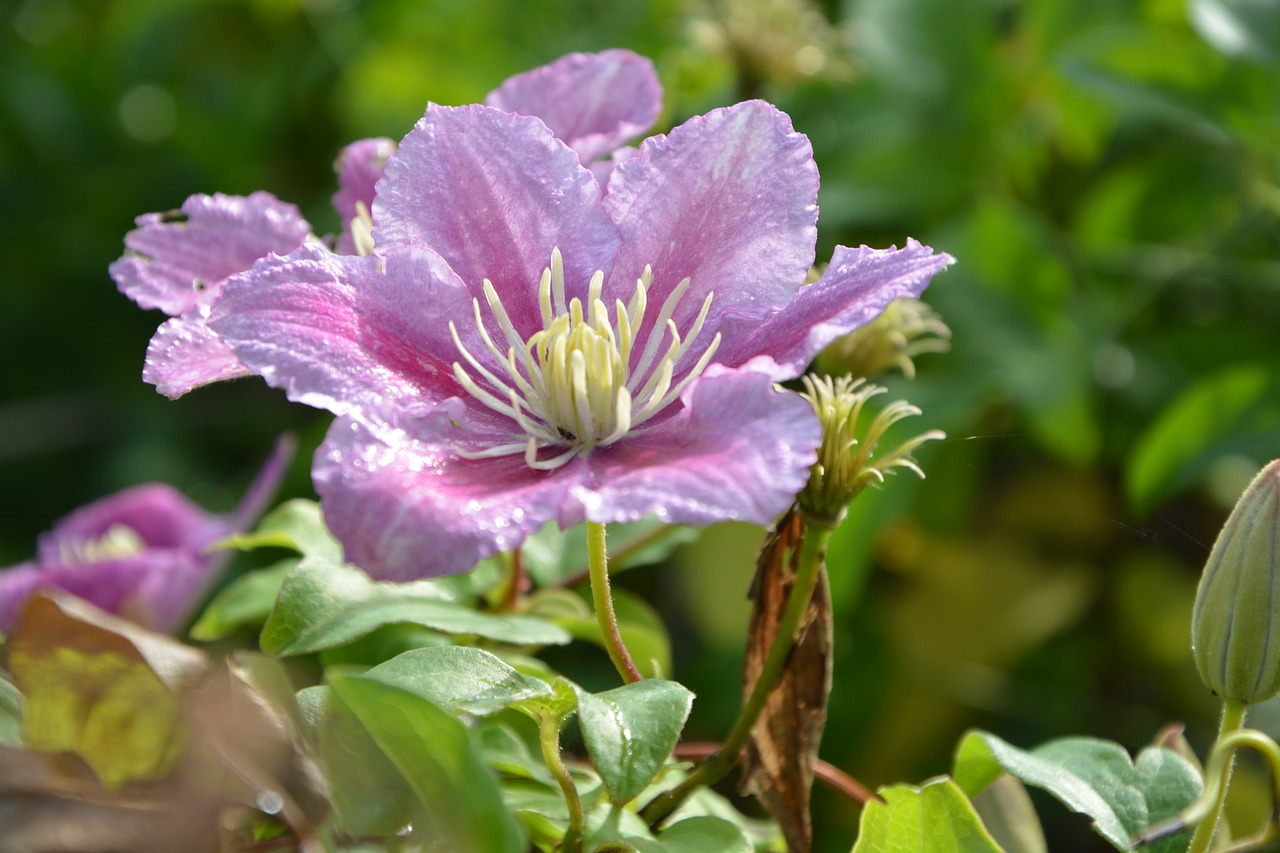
(493, 193)
(738, 450)
(593, 101)
(173, 258)
(856, 287)
(405, 506)
(154, 589)
(185, 354)
(729, 200)
(348, 333)
(359, 167)
(158, 513)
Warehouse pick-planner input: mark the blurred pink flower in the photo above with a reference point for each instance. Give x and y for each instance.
(140, 552)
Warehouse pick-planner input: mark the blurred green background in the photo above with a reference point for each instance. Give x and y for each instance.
(1107, 174)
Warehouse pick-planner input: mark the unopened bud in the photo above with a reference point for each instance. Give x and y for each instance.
(847, 462)
(1235, 627)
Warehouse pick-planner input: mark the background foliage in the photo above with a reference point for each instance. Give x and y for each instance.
(1107, 174)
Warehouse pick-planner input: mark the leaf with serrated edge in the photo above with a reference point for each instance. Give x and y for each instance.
(631, 730)
(1091, 776)
(323, 605)
(933, 818)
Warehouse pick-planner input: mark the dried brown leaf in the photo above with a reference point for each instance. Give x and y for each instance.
(783, 748)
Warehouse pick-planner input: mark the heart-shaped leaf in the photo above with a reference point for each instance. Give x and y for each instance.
(631, 730)
(1091, 776)
(933, 818)
(322, 605)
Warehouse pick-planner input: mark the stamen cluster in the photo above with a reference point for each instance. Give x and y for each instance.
(578, 383)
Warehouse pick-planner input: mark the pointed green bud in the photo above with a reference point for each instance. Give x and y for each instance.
(1235, 627)
(905, 329)
(848, 463)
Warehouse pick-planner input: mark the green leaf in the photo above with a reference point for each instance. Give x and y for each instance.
(630, 732)
(458, 805)
(552, 556)
(369, 794)
(295, 524)
(643, 631)
(459, 678)
(322, 605)
(245, 602)
(1236, 411)
(1090, 776)
(698, 835)
(934, 818)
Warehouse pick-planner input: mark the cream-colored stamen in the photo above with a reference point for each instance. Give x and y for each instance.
(571, 386)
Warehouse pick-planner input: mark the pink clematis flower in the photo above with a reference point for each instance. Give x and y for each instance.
(524, 347)
(178, 262)
(139, 553)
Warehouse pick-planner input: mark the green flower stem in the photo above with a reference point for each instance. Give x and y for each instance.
(598, 568)
(549, 736)
(1233, 714)
(813, 548)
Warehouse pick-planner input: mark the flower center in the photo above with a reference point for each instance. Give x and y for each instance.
(117, 543)
(579, 382)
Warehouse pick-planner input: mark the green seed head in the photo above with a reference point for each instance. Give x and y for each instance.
(905, 329)
(1235, 627)
(850, 457)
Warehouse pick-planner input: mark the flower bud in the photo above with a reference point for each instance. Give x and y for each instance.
(1235, 627)
(847, 463)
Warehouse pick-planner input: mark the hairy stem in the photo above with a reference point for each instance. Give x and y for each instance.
(813, 549)
(598, 568)
(549, 736)
(1233, 714)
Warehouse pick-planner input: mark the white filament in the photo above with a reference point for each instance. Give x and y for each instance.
(571, 386)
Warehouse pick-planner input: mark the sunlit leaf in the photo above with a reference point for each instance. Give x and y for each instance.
(933, 818)
(631, 730)
(100, 687)
(322, 605)
(1091, 776)
(459, 678)
(295, 524)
